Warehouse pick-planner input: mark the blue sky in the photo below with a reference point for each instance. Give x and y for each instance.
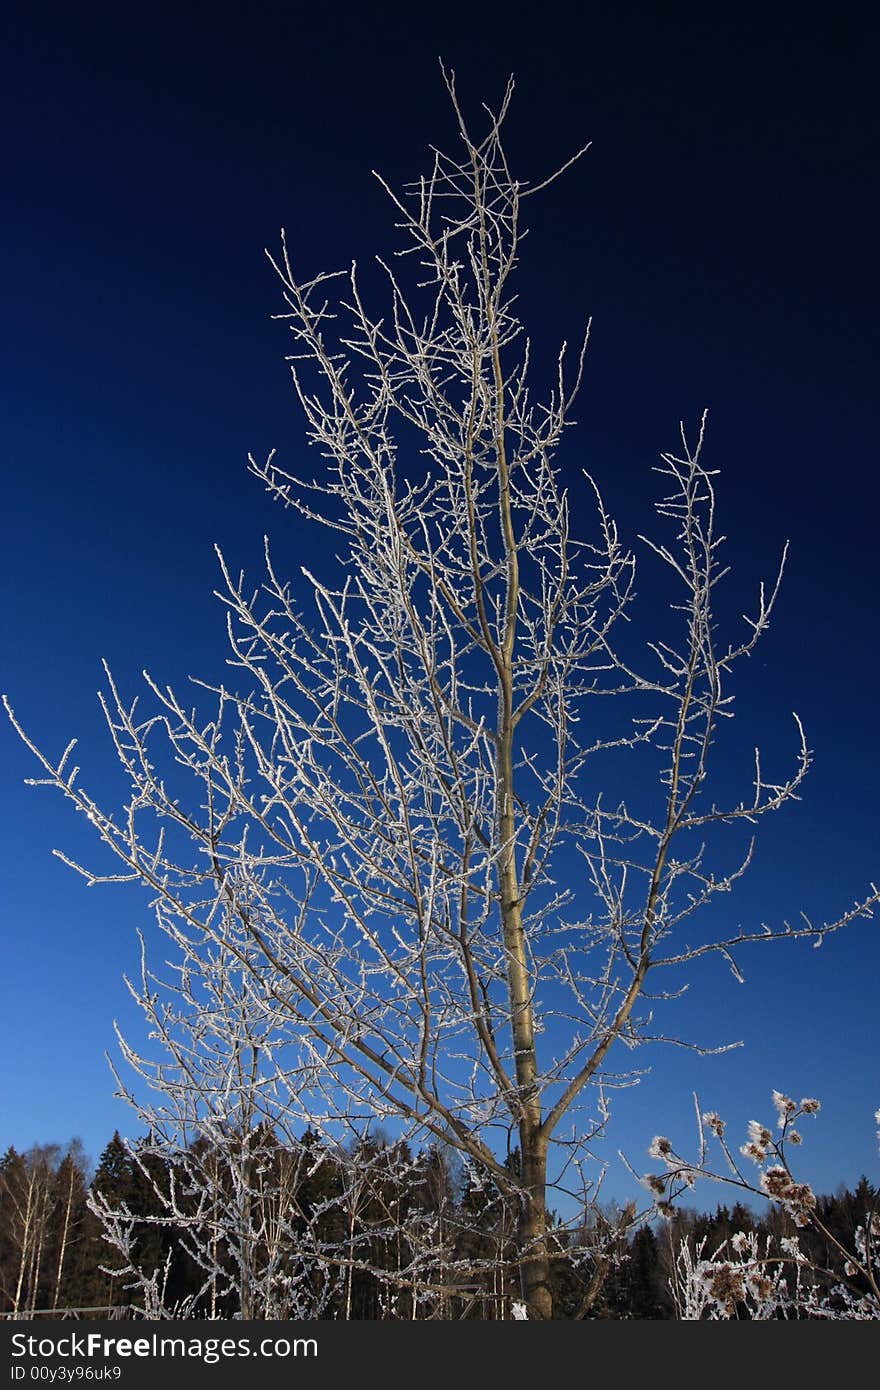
(721, 231)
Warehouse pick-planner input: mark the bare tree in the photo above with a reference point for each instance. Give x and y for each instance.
(240, 1171)
(396, 806)
(25, 1189)
(221, 1160)
(42, 1203)
(69, 1204)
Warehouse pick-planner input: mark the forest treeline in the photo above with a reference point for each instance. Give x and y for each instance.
(359, 1216)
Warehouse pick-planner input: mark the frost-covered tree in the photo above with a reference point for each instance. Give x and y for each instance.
(226, 1178)
(391, 824)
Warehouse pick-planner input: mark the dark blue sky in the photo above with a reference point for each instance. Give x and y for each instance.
(722, 232)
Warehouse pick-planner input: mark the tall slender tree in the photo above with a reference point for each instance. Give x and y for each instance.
(43, 1220)
(389, 827)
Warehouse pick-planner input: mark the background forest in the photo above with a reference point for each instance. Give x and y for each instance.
(354, 1228)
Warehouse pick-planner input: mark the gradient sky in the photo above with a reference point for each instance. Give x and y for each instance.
(721, 231)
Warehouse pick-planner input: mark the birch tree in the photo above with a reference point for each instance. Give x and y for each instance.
(396, 817)
(25, 1190)
(42, 1205)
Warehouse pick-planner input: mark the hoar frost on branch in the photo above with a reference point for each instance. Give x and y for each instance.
(773, 1277)
(387, 834)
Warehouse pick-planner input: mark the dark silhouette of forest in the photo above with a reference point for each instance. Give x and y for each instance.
(54, 1255)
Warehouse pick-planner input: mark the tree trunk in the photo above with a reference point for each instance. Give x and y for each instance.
(62, 1251)
(532, 1233)
(532, 1230)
